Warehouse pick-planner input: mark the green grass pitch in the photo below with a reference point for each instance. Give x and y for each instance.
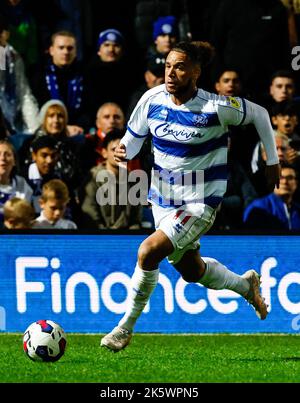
(160, 358)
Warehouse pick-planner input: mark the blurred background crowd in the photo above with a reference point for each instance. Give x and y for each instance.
(72, 71)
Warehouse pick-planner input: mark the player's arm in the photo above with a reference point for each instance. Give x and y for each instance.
(129, 146)
(259, 117)
(136, 133)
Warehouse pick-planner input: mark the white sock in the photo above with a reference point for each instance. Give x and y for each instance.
(218, 277)
(142, 284)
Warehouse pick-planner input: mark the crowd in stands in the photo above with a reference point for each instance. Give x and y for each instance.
(72, 73)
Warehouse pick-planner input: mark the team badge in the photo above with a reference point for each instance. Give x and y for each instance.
(200, 120)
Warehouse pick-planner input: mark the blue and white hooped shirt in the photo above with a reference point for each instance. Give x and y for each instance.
(189, 141)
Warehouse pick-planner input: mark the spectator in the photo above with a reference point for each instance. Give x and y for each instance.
(165, 35)
(148, 11)
(105, 75)
(244, 137)
(23, 29)
(252, 37)
(11, 184)
(18, 214)
(99, 15)
(239, 189)
(53, 202)
(71, 20)
(100, 212)
(153, 76)
(276, 211)
(43, 166)
(282, 88)
(109, 116)
(19, 107)
(259, 163)
(239, 193)
(285, 120)
(62, 78)
(228, 83)
(53, 121)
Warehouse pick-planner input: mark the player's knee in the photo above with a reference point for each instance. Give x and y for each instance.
(148, 254)
(191, 277)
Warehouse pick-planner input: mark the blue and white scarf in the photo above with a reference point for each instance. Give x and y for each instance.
(75, 89)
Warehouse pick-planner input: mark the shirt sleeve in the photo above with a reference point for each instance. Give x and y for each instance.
(259, 117)
(137, 128)
(231, 110)
(238, 111)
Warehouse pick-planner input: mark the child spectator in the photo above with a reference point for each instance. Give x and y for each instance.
(53, 202)
(18, 214)
(109, 215)
(42, 169)
(285, 120)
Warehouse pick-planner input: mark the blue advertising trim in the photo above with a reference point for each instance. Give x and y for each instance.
(82, 281)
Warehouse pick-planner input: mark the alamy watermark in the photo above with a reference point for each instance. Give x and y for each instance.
(171, 188)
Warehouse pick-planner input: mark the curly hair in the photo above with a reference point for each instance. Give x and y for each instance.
(201, 53)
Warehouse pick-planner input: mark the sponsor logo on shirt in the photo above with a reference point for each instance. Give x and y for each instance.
(183, 135)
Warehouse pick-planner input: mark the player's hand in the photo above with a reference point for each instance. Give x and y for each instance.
(273, 176)
(120, 153)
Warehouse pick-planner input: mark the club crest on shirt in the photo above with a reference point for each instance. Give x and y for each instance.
(233, 102)
(200, 120)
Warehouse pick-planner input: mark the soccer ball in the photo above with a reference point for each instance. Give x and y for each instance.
(44, 340)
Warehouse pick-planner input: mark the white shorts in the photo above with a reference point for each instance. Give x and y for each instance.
(183, 226)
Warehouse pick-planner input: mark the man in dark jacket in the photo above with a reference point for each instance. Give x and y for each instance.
(108, 75)
(62, 79)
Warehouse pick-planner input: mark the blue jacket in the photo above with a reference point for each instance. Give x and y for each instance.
(270, 212)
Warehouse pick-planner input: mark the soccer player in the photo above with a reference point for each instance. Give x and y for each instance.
(189, 134)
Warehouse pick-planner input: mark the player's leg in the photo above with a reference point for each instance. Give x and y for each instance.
(213, 274)
(151, 252)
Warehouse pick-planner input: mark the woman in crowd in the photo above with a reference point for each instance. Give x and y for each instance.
(11, 184)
